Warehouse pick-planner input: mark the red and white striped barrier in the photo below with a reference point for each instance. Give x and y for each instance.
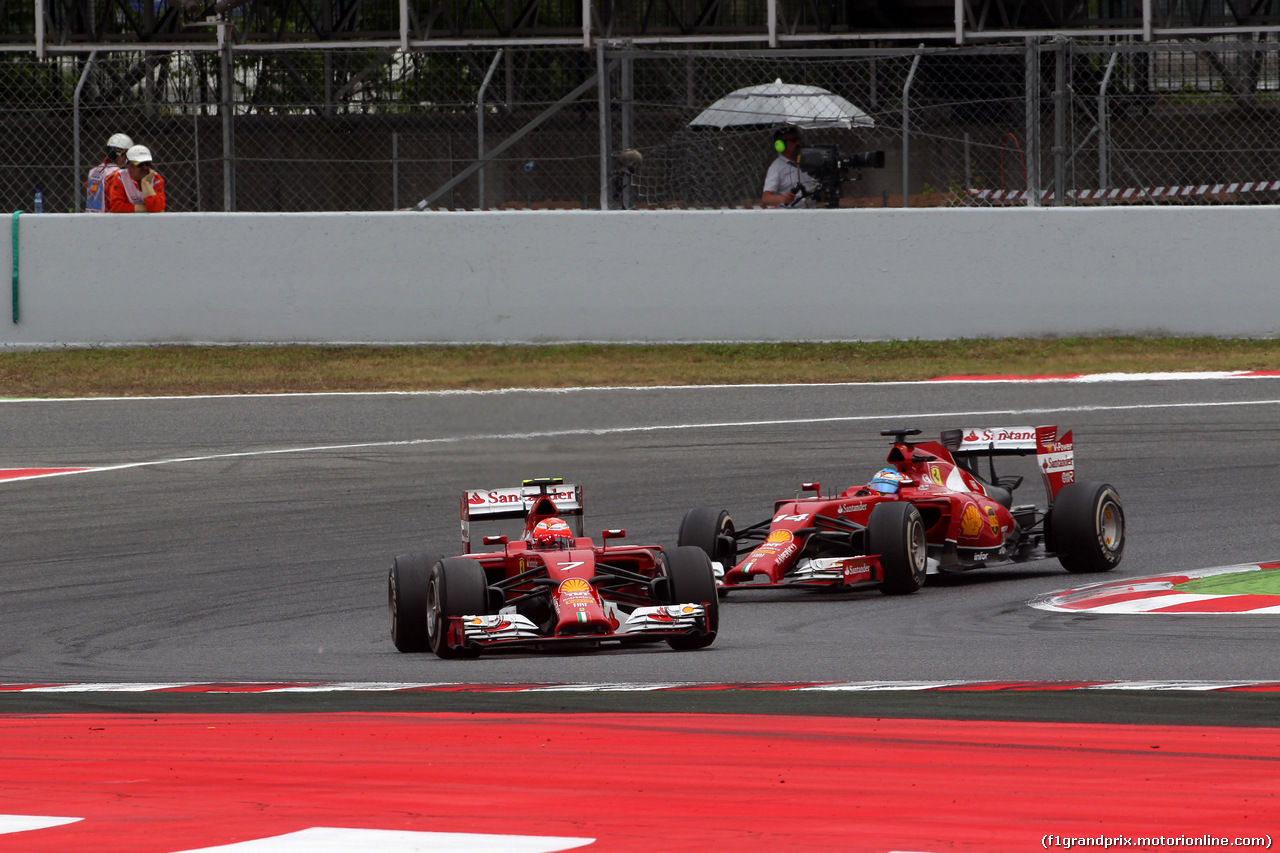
(1134, 193)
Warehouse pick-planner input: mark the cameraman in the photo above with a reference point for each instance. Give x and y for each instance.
(785, 185)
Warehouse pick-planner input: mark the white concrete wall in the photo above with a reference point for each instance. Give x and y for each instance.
(642, 276)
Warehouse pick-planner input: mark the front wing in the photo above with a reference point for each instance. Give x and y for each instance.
(822, 572)
(644, 624)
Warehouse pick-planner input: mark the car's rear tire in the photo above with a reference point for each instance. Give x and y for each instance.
(1086, 527)
(895, 531)
(407, 600)
(457, 587)
(712, 530)
(690, 579)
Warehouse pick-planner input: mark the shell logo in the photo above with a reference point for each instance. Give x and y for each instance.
(574, 585)
(971, 521)
(780, 536)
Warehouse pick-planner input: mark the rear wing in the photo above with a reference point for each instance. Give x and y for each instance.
(565, 501)
(1055, 454)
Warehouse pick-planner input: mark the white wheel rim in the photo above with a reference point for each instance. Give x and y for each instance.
(917, 548)
(1110, 525)
(433, 618)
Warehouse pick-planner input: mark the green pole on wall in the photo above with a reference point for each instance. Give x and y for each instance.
(16, 214)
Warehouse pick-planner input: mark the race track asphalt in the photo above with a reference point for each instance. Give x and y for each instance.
(248, 538)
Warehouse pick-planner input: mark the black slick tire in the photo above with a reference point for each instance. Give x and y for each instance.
(895, 531)
(407, 600)
(712, 530)
(691, 580)
(456, 587)
(1087, 527)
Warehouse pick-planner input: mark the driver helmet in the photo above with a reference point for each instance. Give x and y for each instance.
(886, 481)
(552, 533)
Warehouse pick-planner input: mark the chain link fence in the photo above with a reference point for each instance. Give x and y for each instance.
(684, 164)
(1049, 123)
(375, 128)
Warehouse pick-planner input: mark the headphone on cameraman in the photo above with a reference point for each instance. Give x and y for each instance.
(780, 144)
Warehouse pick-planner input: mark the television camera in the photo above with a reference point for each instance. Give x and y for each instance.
(826, 165)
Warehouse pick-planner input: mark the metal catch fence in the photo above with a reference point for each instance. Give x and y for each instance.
(1056, 122)
(378, 128)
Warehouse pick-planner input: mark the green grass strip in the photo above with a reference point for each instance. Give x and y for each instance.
(147, 371)
(1266, 582)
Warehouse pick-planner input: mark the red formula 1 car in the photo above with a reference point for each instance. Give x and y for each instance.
(548, 588)
(929, 511)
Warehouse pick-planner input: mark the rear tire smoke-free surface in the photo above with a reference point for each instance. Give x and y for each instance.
(691, 580)
(407, 600)
(1087, 527)
(457, 587)
(895, 531)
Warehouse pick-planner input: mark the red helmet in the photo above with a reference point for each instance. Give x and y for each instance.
(552, 533)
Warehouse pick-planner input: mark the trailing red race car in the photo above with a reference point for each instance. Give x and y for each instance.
(549, 588)
(929, 511)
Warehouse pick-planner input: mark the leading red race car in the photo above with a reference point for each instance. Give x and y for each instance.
(548, 588)
(929, 511)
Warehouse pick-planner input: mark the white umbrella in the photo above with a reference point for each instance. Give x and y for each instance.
(779, 103)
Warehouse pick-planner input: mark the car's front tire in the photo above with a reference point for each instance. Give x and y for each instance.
(691, 580)
(456, 587)
(895, 531)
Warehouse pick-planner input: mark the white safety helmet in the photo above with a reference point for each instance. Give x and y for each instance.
(119, 142)
(138, 154)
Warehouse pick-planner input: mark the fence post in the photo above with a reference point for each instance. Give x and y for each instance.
(1104, 131)
(906, 126)
(968, 161)
(602, 88)
(195, 129)
(1060, 122)
(75, 123)
(228, 122)
(1032, 96)
(39, 14)
(480, 128)
(627, 133)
